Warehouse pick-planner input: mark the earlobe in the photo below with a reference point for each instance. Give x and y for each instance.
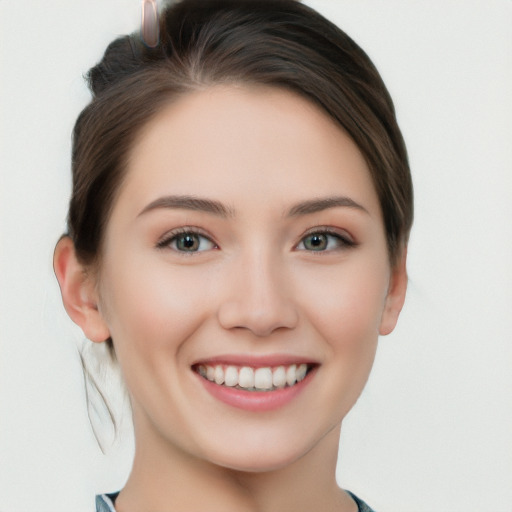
(396, 296)
(79, 294)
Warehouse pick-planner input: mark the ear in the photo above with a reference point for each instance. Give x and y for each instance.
(396, 295)
(78, 291)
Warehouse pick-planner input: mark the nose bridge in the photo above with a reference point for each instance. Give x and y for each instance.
(258, 297)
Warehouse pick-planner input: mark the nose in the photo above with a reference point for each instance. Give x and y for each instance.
(258, 297)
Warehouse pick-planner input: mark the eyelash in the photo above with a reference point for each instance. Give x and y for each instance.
(342, 241)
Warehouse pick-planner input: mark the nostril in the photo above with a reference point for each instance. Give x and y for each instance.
(261, 321)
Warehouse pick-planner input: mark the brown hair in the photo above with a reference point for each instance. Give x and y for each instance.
(205, 42)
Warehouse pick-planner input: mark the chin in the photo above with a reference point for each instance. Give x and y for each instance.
(271, 452)
(250, 462)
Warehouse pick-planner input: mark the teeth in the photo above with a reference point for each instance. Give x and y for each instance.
(263, 378)
(219, 375)
(279, 377)
(246, 377)
(231, 376)
(259, 379)
(301, 372)
(291, 375)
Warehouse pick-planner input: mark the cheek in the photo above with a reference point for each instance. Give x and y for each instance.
(347, 318)
(346, 307)
(152, 306)
(153, 311)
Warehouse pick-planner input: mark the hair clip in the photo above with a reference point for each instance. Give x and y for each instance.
(149, 28)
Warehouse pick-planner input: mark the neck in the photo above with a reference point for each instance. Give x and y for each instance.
(166, 478)
(307, 484)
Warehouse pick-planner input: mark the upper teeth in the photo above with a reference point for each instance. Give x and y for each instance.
(246, 377)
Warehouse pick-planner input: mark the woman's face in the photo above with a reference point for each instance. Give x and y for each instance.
(246, 247)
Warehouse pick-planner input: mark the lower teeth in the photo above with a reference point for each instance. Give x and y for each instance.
(273, 388)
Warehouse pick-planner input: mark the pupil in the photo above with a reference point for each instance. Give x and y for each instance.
(189, 242)
(317, 242)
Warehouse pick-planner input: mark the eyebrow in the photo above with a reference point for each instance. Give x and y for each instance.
(324, 203)
(189, 203)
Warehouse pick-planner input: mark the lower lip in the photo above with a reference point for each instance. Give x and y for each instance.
(256, 401)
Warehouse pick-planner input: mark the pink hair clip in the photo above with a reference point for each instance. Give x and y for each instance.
(149, 29)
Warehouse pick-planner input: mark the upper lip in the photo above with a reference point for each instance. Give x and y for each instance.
(256, 361)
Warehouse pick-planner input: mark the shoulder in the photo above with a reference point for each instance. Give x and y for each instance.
(105, 502)
(361, 505)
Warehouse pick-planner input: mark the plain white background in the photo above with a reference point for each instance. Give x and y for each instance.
(432, 431)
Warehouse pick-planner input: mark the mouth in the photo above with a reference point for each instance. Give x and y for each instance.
(254, 379)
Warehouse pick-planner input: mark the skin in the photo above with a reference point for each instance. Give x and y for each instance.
(254, 288)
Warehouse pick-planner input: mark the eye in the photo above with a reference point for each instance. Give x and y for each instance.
(187, 241)
(321, 241)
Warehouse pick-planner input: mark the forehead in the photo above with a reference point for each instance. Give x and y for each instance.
(245, 145)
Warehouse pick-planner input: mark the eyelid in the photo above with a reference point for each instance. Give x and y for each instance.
(330, 230)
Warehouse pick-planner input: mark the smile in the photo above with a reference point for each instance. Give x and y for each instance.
(248, 378)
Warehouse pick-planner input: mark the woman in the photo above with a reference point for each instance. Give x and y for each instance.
(237, 234)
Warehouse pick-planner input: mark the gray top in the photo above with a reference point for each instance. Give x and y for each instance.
(105, 503)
